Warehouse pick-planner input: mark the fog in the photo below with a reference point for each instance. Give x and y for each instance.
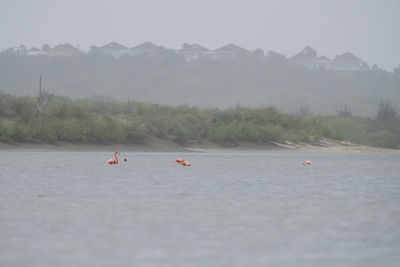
(364, 31)
(289, 111)
(367, 28)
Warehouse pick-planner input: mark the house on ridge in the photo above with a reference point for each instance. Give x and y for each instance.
(195, 52)
(34, 51)
(64, 50)
(305, 58)
(348, 62)
(115, 49)
(230, 51)
(322, 62)
(148, 49)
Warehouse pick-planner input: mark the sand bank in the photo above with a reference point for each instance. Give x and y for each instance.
(323, 145)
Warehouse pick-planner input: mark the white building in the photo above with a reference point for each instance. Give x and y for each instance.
(34, 51)
(148, 49)
(195, 52)
(305, 58)
(230, 52)
(64, 50)
(348, 62)
(116, 50)
(322, 62)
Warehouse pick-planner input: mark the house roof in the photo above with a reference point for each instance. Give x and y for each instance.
(307, 53)
(66, 47)
(147, 46)
(232, 48)
(113, 46)
(347, 56)
(193, 48)
(301, 55)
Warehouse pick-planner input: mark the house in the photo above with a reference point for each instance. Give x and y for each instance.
(305, 58)
(195, 52)
(148, 49)
(115, 49)
(230, 51)
(227, 52)
(322, 62)
(64, 50)
(349, 62)
(34, 51)
(346, 62)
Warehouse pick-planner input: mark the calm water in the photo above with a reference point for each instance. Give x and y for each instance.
(263, 209)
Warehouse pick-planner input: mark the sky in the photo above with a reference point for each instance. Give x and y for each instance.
(367, 28)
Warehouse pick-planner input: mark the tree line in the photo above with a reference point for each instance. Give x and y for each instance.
(168, 79)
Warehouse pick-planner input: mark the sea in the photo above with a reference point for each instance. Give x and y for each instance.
(62, 208)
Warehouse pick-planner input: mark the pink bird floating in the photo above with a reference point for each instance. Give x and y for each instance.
(183, 162)
(114, 161)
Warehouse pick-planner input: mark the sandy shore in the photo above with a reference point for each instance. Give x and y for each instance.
(324, 145)
(328, 145)
(152, 147)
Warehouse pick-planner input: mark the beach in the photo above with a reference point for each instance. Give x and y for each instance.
(157, 145)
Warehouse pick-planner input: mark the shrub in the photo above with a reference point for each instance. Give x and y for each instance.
(45, 132)
(386, 111)
(5, 132)
(20, 133)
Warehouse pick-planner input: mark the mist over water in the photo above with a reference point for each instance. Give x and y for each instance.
(70, 208)
(236, 72)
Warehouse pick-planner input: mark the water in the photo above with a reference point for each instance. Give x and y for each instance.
(262, 209)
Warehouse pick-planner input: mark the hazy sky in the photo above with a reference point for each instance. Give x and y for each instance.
(368, 28)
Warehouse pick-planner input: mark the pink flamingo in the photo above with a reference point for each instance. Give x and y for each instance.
(114, 161)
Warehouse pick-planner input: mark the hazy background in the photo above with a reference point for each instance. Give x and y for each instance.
(367, 28)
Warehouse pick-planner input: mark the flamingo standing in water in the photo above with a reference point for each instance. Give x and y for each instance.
(114, 161)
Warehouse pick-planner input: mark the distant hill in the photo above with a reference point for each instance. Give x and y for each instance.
(166, 77)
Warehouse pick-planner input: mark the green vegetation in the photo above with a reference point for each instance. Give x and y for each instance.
(102, 120)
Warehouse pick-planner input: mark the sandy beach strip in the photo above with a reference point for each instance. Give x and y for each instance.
(323, 145)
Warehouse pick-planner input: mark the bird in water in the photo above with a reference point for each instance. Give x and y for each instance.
(114, 160)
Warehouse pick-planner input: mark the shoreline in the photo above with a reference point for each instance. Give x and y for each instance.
(323, 145)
